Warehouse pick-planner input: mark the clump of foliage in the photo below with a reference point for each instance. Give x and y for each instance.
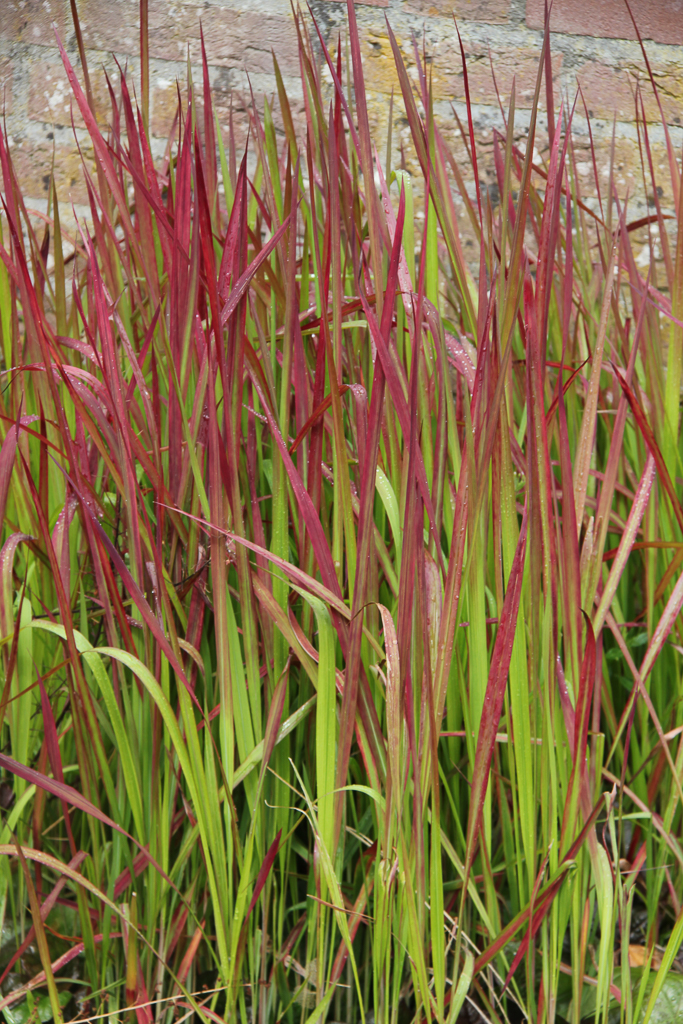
(340, 585)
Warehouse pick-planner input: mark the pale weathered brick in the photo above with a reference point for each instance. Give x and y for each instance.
(33, 163)
(607, 91)
(240, 35)
(31, 21)
(164, 104)
(506, 64)
(365, 3)
(474, 10)
(111, 26)
(610, 91)
(51, 100)
(6, 77)
(239, 38)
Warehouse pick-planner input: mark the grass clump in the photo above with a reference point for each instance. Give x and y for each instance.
(340, 582)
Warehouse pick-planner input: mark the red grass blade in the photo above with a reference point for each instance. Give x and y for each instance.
(495, 692)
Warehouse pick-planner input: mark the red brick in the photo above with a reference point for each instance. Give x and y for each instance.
(661, 20)
(241, 39)
(30, 21)
(471, 10)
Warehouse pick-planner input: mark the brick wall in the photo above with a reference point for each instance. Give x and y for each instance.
(593, 44)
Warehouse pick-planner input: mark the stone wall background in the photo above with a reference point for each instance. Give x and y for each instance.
(593, 43)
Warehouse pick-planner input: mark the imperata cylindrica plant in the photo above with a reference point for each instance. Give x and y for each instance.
(341, 563)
